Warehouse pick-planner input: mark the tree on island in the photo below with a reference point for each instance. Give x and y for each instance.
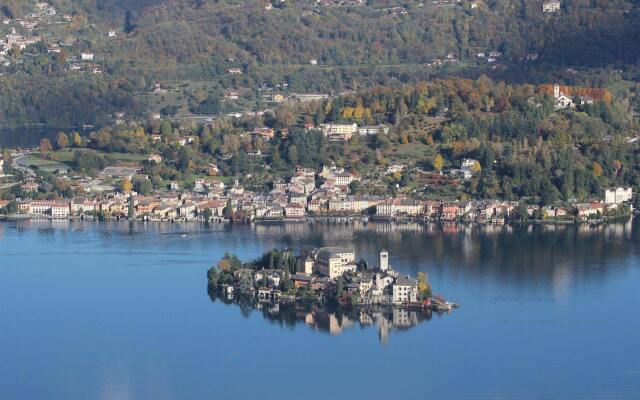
(424, 288)
(339, 290)
(229, 262)
(286, 284)
(362, 265)
(212, 276)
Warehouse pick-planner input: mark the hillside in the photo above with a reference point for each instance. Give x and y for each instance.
(308, 47)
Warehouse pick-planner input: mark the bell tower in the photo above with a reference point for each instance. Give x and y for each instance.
(384, 260)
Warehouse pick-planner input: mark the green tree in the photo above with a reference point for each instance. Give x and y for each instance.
(131, 213)
(292, 154)
(11, 207)
(227, 211)
(206, 214)
(212, 277)
(166, 128)
(142, 186)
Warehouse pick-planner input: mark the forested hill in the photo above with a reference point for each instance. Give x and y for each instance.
(311, 48)
(584, 32)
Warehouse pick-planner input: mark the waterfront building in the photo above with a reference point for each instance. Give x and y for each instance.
(59, 210)
(617, 195)
(396, 206)
(405, 289)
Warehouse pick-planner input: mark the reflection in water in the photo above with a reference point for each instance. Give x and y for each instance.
(30, 137)
(332, 320)
(553, 256)
(117, 310)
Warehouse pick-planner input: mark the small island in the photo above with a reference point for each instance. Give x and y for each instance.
(327, 277)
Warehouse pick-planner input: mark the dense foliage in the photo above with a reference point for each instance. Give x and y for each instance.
(355, 47)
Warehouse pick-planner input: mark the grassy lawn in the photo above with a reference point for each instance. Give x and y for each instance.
(64, 159)
(45, 165)
(411, 152)
(67, 156)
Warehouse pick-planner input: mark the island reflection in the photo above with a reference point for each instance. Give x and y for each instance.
(546, 256)
(331, 320)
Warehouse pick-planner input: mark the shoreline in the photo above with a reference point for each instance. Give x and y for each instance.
(339, 220)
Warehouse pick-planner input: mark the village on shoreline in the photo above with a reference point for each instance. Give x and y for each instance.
(306, 196)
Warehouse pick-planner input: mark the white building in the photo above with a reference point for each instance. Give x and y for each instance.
(468, 167)
(373, 130)
(37, 206)
(396, 206)
(335, 261)
(60, 210)
(617, 195)
(562, 100)
(307, 266)
(405, 290)
(296, 211)
(551, 6)
(81, 205)
(87, 56)
(384, 260)
(339, 132)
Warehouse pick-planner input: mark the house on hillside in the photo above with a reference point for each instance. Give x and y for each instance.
(562, 100)
(339, 132)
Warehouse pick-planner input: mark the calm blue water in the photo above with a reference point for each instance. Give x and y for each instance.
(120, 311)
(30, 137)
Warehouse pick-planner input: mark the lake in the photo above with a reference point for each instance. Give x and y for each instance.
(120, 310)
(30, 137)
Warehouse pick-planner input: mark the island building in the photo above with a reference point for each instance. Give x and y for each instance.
(335, 261)
(384, 260)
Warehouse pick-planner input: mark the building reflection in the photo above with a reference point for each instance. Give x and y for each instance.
(548, 256)
(334, 321)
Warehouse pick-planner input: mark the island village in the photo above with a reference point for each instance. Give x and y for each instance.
(329, 275)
